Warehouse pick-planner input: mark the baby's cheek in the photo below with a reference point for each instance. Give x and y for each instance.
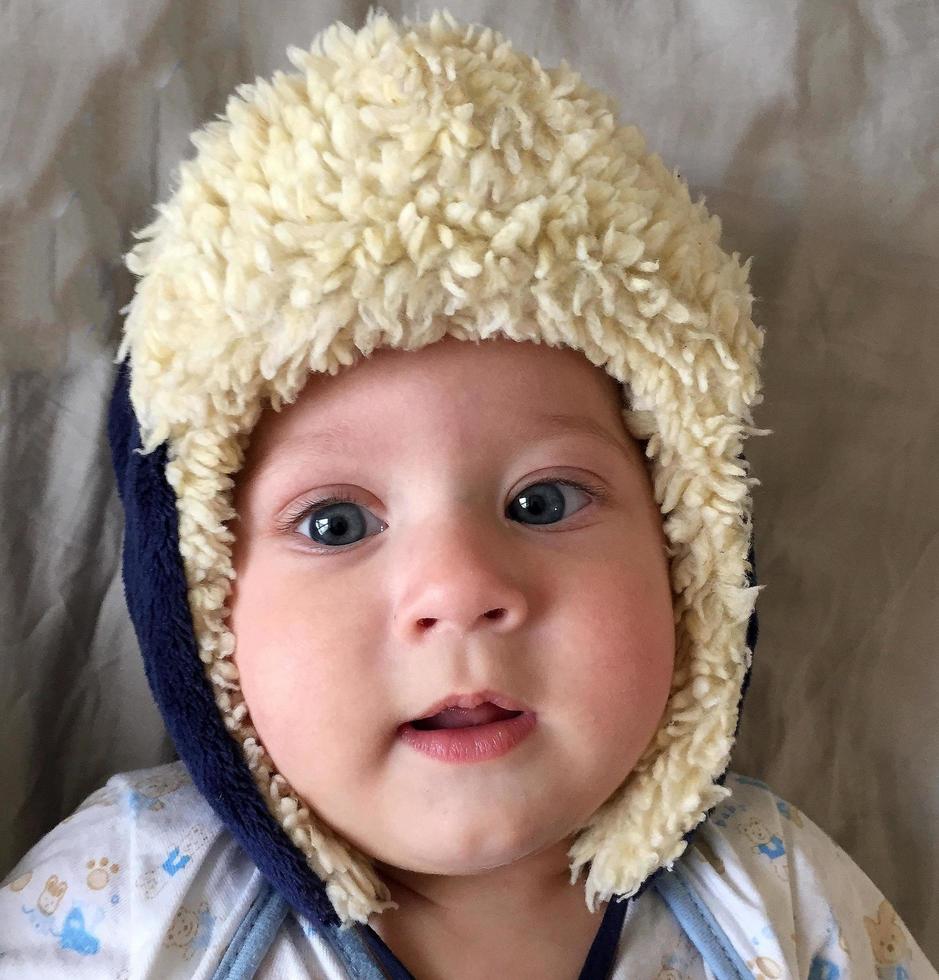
(304, 713)
(262, 704)
(626, 683)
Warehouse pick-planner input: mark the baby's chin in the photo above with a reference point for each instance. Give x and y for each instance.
(432, 854)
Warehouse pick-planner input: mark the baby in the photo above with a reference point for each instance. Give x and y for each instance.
(427, 426)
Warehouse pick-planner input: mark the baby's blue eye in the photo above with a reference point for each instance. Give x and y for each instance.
(338, 520)
(543, 501)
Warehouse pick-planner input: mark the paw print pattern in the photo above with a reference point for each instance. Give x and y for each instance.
(100, 873)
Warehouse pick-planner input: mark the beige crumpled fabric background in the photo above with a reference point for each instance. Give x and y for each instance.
(812, 130)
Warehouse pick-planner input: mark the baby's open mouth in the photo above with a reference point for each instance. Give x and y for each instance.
(483, 714)
(481, 733)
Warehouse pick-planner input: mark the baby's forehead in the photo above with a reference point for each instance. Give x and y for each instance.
(448, 391)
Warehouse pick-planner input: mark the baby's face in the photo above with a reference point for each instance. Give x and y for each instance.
(440, 576)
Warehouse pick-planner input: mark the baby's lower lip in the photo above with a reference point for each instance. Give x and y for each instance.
(472, 744)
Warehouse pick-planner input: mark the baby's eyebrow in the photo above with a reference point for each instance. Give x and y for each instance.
(341, 434)
(323, 442)
(584, 425)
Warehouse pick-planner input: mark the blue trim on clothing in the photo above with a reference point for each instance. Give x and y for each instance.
(700, 925)
(366, 956)
(364, 961)
(253, 936)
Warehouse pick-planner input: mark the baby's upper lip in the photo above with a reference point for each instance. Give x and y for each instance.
(472, 701)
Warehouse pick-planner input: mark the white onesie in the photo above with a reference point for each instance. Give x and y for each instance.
(144, 882)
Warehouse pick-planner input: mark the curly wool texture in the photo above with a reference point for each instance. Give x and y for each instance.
(417, 180)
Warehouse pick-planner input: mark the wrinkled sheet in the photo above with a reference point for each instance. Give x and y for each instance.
(811, 129)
